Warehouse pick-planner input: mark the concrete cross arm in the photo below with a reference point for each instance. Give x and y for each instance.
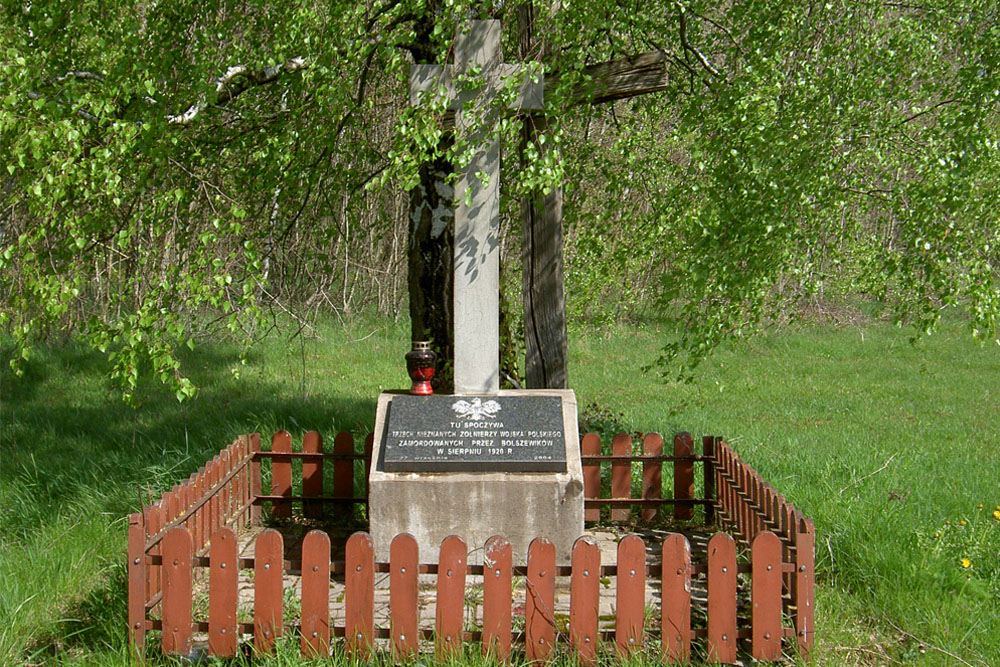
(426, 80)
(478, 47)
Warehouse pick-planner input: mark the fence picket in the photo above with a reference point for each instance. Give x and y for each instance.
(746, 502)
(709, 468)
(683, 475)
(223, 580)
(497, 598)
(176, 616)
(675, 597)
(539, 603)
(150, 514)
(359, 595)
(267, 589)
(312, 475)
(315, 639)
(591, 446)
(196, 518)
(404, 559)
(213, 501)
(255, 478)
(652, 473)
(225, 502)
(343, 471)
(804, 593)
(137, 580)
(281, 475)
(722, 598)
(621, 475)
(450, 597)
(585, 599)
(369, 443)
(630, 596)
(766, 597)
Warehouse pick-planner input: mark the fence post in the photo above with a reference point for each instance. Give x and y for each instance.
(591, 446)
(803, 592)
(315, 640)
(722, 598)
(497, 598)
(539, 603)
(621, 475)
(404, 559)
(312, 475)
(683, 475)
(267, 592)
(585, 599)
(176, 617)
(765, 597)
(137, 582)
(630, 598)
(708, 467)
(652, 474)
(223, 581)
(450, 598)
(675, 596)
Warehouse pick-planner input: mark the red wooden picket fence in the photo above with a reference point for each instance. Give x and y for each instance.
(193, 528)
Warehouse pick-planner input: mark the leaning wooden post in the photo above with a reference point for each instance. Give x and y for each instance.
(683, 476)
(137, 583)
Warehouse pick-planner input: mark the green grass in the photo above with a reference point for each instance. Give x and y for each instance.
(881, 442)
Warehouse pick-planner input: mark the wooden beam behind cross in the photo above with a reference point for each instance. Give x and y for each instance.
(477, 215)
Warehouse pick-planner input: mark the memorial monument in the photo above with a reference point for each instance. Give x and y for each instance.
(480, 462)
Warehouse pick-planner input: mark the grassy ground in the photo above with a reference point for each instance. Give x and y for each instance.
(889, 447)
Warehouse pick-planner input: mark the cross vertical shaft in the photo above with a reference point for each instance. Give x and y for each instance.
(477, 215)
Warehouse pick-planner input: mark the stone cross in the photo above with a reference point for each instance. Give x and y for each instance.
(476, 305)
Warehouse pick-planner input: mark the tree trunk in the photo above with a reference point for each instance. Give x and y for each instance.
(430, 271)
(431, 266)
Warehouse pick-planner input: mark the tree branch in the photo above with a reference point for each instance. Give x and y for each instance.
(687, 45)
(236, 81)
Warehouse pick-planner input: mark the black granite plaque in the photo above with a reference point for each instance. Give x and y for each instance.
(474, 433)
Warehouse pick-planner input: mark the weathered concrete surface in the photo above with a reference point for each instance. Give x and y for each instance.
(478, 505)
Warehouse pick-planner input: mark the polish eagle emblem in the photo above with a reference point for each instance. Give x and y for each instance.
(476, 409)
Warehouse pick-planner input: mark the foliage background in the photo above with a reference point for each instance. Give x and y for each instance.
(172, 168)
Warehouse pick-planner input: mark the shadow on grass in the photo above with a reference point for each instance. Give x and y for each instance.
(68, 442)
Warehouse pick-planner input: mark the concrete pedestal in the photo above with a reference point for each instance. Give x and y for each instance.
(477, 505)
